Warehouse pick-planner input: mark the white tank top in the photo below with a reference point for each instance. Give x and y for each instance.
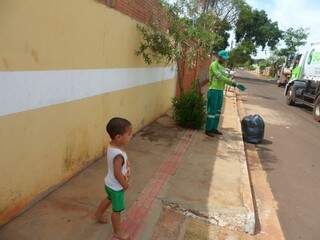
(110, 180)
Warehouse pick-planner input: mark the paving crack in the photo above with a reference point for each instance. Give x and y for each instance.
(190, 212)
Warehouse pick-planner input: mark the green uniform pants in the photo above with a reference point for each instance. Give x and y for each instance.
(215, 100)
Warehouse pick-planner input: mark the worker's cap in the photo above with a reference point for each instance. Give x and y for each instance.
(223, 54)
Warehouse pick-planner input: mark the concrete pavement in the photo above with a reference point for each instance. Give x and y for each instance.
(289, 158)
(185, 185)
(211, 185)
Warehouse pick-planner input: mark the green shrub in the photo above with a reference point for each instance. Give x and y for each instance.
(251, 68)
(189, 109)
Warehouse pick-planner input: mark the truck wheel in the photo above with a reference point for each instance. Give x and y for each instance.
(316, 110)
(291, 96)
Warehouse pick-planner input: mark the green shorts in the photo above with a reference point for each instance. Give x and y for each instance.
(116, 198)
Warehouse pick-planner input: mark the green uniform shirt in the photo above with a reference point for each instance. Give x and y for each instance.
(296, 73)
(218, 77)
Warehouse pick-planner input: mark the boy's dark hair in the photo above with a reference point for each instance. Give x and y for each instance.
(117, 126)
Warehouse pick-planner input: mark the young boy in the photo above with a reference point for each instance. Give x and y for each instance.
(116, 181)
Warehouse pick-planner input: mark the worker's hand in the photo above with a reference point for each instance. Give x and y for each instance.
(240, 87)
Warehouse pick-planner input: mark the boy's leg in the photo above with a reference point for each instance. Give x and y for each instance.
(116, 225)
(118, 205)
(104, 204)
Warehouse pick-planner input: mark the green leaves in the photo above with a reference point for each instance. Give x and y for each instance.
(187, 37)
(253, 29)
(189, 34)
(189, 109)
(254, 26)
(293, 39)
(155, 46)
(241, 54)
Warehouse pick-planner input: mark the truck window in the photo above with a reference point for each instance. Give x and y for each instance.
(310, 57)
(314, 57)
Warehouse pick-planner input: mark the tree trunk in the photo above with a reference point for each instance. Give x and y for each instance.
(196, 79)
(180, 66)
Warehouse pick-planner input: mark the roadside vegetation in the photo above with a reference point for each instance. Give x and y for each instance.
(189, 31)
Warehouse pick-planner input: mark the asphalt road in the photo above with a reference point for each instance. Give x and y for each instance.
(290, 155)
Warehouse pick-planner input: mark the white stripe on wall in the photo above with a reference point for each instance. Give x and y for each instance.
(26, 90)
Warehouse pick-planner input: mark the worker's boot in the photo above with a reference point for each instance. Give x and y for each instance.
(210, 134)
(217, 132)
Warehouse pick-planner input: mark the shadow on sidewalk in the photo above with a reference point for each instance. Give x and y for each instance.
(205, 192)
(204, 187)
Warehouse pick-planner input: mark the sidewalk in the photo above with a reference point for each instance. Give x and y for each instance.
(185, 185)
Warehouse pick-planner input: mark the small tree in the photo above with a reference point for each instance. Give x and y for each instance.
(187, 37)
(241, 54)
(293, 39)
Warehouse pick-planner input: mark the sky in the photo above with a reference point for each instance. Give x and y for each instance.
(292, 13)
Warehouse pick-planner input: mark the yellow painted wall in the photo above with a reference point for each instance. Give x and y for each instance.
(42, 147)
(59, 34)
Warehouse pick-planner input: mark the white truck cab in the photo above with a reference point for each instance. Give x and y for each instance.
(305, 87)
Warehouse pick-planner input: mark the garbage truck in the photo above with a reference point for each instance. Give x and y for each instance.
(304, 86)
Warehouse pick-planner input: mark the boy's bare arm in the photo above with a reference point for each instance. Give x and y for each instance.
(117, 165)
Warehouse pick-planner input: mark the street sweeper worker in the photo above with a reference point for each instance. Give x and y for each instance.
(218, 78)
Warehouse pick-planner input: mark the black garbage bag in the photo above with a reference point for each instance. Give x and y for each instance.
(253, 129)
